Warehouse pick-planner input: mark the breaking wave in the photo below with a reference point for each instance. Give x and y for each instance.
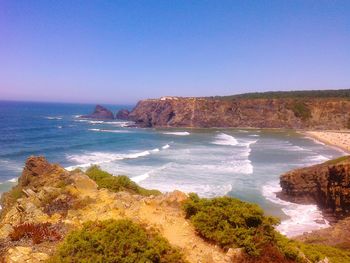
(303, 218)
(112, 131)
(53, 117)
(96, 158)
(225, 139)
(177, 133)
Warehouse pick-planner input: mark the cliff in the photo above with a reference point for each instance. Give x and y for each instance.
(326, 184)
(296, 113)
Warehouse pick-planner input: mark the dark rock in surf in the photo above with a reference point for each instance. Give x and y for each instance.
(100, 113)
(122, 114)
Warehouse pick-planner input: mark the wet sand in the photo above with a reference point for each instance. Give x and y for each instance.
(340, 139)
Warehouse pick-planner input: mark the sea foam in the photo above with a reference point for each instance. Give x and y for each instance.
(53, 117)
(177, 133)
(303, 218)
(225, 139)
(111, 131)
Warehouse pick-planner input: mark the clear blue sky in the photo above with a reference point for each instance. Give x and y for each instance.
(123, 51)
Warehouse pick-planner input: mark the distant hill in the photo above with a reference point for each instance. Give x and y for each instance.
(341, 93)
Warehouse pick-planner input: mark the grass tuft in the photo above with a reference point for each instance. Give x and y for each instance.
(117, 183)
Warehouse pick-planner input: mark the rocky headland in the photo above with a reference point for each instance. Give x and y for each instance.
(250, 112)
(100, 113)
(326, 184)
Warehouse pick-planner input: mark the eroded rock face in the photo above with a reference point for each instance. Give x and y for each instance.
(100, 113)
(327, 185)
(122, 115)
(257, 113)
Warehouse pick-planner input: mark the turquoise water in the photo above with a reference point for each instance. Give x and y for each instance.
(241, 163)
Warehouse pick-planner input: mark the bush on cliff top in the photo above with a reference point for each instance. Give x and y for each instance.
(117, 183)
(119, 241)
(230, 222)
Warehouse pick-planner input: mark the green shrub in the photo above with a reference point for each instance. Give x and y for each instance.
(119, 241)
(230, 222)
(117, 183)
(338, 160)
(315, 252)
(301, 110)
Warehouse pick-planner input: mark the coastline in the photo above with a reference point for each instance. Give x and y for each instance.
(339, 139)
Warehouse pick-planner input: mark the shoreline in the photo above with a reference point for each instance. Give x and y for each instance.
(337, 139)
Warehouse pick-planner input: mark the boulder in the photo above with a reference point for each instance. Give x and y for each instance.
(122, 114)
(100, 113)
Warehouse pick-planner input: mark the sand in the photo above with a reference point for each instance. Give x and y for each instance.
(339, 139)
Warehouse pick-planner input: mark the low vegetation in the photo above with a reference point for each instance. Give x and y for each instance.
(298, 94)
(338, 160)
(301, 110)
(117, 183)
(38, 233)
(229, 222)
(119, 241)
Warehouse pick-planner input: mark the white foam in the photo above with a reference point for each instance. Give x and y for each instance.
(95, 158)
(316, 159)
(303, 218)
(13, 180)
(59, 127)
(54, 117)
(112, 131)
(140, 178)
(177, 133)
(165, 146)
(155, 150)
(254, 135)
(315, 140)
(95, 122)
(225, 139)
(296, 148)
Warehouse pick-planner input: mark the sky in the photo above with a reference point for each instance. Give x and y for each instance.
(122, 51)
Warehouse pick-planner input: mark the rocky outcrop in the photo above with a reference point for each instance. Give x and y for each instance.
(317, 113)
(122, 114)
(48, 195)
(100, 113)
(327, 185)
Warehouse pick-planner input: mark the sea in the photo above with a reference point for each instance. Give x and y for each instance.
(241, 163)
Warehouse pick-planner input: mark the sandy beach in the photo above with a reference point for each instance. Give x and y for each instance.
(340, 139)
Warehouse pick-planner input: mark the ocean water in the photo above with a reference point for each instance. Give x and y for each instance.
(211, 162)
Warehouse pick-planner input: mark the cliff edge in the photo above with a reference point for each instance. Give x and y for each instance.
(326, 184)
(49, 202)
(294, 113)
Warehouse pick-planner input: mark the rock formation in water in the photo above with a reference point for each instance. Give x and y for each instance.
(100, 113)
(326, 184)
(296, 113)
(122, 114)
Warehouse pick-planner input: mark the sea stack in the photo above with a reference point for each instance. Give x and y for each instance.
(100, 113)
(122, 114)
